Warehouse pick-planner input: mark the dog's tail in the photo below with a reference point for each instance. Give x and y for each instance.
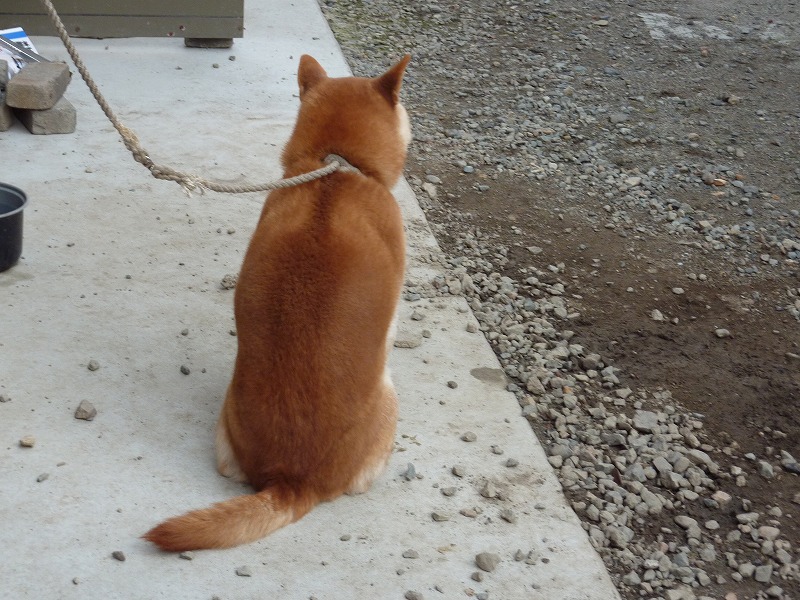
(236, 521)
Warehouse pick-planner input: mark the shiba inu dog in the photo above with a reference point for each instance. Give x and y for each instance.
(310, 412)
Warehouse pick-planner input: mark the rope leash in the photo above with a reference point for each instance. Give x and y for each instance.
(187, 181)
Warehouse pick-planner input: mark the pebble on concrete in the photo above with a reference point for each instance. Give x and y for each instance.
(85, 411)
(487, 561)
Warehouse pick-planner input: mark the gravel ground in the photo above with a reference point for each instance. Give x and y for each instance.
(617, 193)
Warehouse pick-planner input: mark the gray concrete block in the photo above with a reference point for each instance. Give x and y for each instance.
(38, 86)
(6, 117)
(62, 118)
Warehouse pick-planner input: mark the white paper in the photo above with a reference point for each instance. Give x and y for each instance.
(15, 62)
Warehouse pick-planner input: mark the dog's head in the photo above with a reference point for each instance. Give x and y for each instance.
(358, 118)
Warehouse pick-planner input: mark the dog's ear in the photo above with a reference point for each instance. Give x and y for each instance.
(389, 83)
(309, 74)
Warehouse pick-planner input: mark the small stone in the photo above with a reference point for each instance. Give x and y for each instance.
(763, 573)
(410, 472)
(722, 333)
(619, 536)
(42, 477)
(448, 491)
(85, 411)
(458, 471)
(645, 421)
(783, 556)
(28, 441)
(512, 462)
(346, 537)
(410, 554)
(685, 522)
(707, 553)
(680, 593)
(93, 365)
(765, 469)
(244, 571)
(477, 576)
(433, 179)
(657, 315)
(118, 555)
(187, 555)
(487, 561)
(469, 436)
(789, 463)
(662, 465)
(489, 490)
(452, 385)
(430, 189)
(593, 513)
(681, 465)
(632, 579)
(228, 282)
(508, 515)
(749, 518)
(623, 393)
(678, 291)
(440, 516)
(412, 595)
(769, 533)
(407, 340)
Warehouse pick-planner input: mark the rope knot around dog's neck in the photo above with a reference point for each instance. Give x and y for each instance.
(344, 164)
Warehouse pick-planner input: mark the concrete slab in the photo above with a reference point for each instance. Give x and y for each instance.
(124, 270)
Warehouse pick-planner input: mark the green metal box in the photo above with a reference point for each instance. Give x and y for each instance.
(204, 19)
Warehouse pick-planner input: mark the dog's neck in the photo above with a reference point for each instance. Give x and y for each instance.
(343, 162)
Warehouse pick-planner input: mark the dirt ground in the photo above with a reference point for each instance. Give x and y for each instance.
(745, 384)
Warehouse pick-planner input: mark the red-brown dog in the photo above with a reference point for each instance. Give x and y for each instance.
(311, 412)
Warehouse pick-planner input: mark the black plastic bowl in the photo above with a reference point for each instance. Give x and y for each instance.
(12, 201)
